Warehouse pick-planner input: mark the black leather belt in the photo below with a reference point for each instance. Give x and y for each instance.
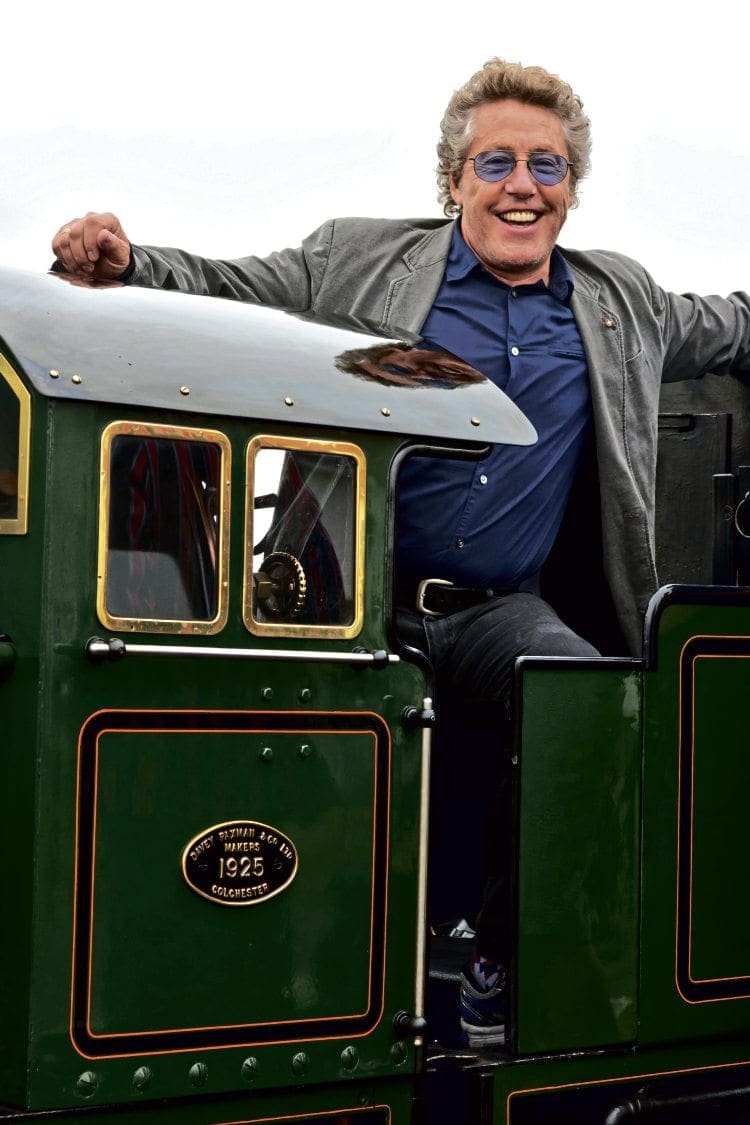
(437, 597)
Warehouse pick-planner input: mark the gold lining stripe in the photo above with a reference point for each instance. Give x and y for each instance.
(157, 625)
(341, 1113)
(20, 523)
(289, 629)
(688, 860)
(377, 1001)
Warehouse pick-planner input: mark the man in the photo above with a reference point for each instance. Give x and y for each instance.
(580, 341)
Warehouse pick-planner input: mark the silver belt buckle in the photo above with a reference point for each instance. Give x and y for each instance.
(421, 591)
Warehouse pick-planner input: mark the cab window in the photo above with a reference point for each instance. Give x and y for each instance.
(15, 421)
(164, 525)
(305, 538)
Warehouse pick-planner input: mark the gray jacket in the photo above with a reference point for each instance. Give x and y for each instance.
(381, 276)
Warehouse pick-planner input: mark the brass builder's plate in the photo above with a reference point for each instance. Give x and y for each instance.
(239, 862)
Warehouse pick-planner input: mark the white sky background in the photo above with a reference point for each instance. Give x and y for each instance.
(236, 127)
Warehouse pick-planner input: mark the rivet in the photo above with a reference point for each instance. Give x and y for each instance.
(385, 412)
(53, 374)
(608, 322)
(304, 751)
(350, 1058)
(184, 390)
(87, 1083)
(300, 1063)
(76, 379)
(305, 695)
(267, 693)
(288, 401)
(142, 1078)
(266, 754)
(198, 1074)
(249, 1069)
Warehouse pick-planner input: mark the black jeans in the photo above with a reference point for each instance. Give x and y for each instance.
(473, 654)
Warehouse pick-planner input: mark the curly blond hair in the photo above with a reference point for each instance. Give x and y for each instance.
(532, 85)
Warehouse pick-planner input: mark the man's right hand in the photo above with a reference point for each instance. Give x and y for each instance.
(94, 246)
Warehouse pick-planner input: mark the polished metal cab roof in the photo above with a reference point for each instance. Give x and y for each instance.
(175, 351)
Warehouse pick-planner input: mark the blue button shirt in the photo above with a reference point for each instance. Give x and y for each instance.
(493, 523)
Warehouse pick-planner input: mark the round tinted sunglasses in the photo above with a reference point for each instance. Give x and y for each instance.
(546, 167)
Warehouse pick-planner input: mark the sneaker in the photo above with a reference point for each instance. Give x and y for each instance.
(482, 1013)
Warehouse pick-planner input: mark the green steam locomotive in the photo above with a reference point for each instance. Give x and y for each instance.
(220, 887)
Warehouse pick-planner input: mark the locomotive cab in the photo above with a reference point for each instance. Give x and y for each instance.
(213, 788)
(215, 748)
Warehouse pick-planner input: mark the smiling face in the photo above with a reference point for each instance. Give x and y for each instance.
(512, 226)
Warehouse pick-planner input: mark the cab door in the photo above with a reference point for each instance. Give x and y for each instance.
(246, 900)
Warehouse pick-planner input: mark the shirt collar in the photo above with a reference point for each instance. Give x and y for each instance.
(462, 261)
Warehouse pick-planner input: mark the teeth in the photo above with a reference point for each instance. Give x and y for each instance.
(519, 216)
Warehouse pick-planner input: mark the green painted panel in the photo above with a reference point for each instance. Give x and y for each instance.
(695, 973)
(171, 954)
(21, 614)
(578, 846)
(277, 959)
(720, 843)
(351, 1103)
(585, 1088)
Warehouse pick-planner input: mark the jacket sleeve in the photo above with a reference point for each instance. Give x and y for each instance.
(673, 336)
(287, 279)
(703, 334)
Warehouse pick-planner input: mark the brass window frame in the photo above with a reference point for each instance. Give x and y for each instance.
(189, 626)
(288, 629)
(19, 525)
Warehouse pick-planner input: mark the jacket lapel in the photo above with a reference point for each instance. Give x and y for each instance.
(602, 342)
(414, 285)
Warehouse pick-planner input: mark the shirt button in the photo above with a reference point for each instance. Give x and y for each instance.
(483, 479)
(515, 351)
(459, 543)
